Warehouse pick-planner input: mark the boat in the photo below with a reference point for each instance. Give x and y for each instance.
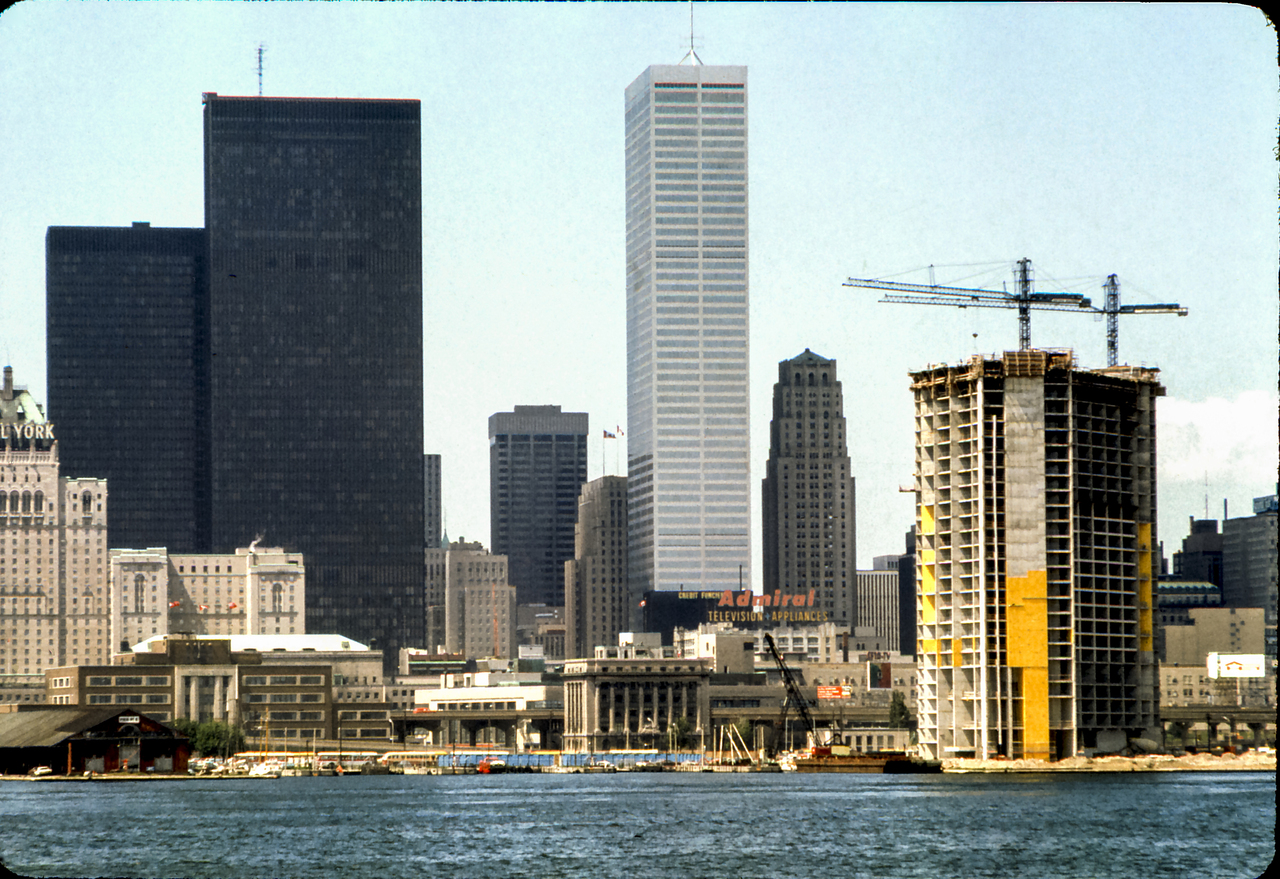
(491, 766)
(876, 762)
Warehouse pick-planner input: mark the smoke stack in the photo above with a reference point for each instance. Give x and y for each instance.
(8, 382)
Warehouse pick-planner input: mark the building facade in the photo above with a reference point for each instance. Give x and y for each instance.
(878, 606)
(253, 591)
(126, 329)
(313, 215)
(433, 518)
(598, 606)
(53, 548)
(808, 490)
(1249, 564)
(469, 594)
(688, 447)
(1036, 555)
(537, 465)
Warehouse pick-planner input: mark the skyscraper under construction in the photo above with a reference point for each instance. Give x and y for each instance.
(1035, 555)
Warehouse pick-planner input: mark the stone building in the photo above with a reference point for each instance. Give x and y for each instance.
(598, 606)
(251, 592)
(54, 566)
(808, 490)
(476, 603)
(633, 696)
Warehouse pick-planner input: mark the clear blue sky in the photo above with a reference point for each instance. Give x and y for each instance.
(1125, 138)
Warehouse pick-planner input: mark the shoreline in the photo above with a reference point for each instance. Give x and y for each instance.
(1250, 761)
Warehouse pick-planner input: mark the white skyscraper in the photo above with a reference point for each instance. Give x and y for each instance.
(687, 268)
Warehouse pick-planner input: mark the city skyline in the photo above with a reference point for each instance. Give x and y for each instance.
(884, 139)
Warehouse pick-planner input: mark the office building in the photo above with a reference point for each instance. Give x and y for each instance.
(471, 604)
(688, 452)
(598, 606)
(1036, 555)
(127, 361)
(878, 606)
(313, 213)
(1201, 555)
(537, 465)
(808, 490)
(53, 549)
(1249, 564)
(432, 500)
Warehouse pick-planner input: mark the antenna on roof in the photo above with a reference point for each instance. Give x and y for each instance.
(691, 56)
(261, 48)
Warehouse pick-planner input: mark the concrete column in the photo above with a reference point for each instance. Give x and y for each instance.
(193, 699)
(626, 715)
(219, 699)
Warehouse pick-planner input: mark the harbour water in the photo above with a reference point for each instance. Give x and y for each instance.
(1207, 825)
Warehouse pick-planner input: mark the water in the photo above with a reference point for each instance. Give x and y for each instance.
(1202, 825)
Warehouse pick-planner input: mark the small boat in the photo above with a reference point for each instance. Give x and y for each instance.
(491, 766)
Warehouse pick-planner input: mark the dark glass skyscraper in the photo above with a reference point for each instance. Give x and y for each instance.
(126, 349)
(313, 211)
(537, 465)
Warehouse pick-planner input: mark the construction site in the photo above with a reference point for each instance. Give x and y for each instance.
(1036, 508)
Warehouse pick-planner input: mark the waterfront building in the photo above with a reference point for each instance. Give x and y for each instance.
(432, 501)
(313, 216)
(688, 448)
(126, 312)
(288, 690)
(808, 490)
(537, 465)
(53, 548)
(598, 605)
(1036, 555)
(634, 695)
(476, 602)
(249, 592)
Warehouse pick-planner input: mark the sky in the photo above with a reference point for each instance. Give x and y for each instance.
(1134, 139)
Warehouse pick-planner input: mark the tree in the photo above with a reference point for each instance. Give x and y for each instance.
(899, 716)
(680, 733)
(210, 738)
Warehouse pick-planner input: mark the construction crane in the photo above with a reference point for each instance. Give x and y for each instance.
(793, 695)
(1112, 309)
(1024, 300)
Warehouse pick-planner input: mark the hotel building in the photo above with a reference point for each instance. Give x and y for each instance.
(688, 459)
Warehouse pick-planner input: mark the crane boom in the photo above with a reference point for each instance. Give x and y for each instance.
(1024, 300)
(793, 694)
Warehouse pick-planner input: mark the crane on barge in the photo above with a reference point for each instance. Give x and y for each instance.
(793, 695)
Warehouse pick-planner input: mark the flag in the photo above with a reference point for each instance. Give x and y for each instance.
(174, 603)
(608, 435)
(620, 431)
(204, 607)
(232, 606)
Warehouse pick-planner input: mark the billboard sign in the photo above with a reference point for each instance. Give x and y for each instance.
(1236, 665)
